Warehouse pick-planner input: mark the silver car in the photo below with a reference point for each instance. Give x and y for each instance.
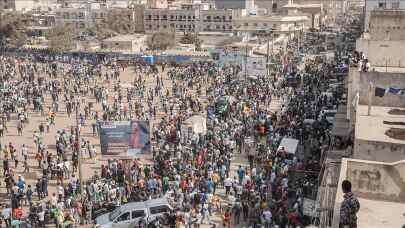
(130, 214)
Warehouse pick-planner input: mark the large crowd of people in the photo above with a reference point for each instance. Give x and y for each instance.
(192, 169)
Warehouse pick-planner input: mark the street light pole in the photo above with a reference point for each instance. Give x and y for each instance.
(79, 156)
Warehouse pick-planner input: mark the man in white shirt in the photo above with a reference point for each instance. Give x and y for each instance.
(228, 184)
(267, 216)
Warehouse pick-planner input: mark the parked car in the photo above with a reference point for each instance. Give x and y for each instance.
(130, 214)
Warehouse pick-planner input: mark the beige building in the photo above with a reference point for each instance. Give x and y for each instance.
(157, 4)
(174, 20)
(81, 14)
(125, 43)
(218, 20)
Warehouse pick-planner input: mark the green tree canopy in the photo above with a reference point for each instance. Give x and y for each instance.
(160, 41)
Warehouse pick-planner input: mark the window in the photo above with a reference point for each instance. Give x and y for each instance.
(159, 209)
(217, 27)
(123, 217)
(255, 24)
(246, 24)
(395, 5)
(116, 44)
(138, 214)
(265, 24)
(230, 17)
(382, 5)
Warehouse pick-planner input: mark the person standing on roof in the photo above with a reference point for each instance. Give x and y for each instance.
(349, 208)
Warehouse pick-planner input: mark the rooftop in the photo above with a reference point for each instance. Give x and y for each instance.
(125, 37)
(273, 18)
(372, 128)
(302, 6)
(371, 182)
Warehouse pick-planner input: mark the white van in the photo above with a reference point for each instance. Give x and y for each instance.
(129, 215)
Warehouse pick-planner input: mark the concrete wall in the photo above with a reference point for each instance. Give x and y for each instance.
(374, 4)
(387, 24)
(353, 84)
(385, 53)
(382, 79)
(377, 181)
(378, 151)
(380, 189)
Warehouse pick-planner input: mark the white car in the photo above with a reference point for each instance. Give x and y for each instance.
(129, 215)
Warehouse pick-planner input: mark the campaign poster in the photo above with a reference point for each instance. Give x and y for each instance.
(124, 138)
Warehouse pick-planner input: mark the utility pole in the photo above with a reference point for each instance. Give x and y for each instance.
(79, 156)
(246, 58)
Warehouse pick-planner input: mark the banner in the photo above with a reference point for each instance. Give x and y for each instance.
(126, 138)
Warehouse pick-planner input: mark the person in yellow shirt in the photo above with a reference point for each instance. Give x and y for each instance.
(215, 179)
(6, 152)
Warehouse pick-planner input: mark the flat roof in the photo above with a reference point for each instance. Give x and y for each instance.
(373, 213)
(299, 6)
(372, 128)
(272, 18)
(125, 37)
(388, 69)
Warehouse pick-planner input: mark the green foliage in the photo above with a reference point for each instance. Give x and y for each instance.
(160, 41)
(61, 38)
(12, 31)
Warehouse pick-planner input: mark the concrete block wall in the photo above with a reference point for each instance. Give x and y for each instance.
(378, 151)
(377, 181)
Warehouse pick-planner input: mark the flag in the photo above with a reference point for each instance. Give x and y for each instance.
(379, 92)
(394, 90)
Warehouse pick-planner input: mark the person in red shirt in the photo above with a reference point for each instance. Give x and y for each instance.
(227, 218)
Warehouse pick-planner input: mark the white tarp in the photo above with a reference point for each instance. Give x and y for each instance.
(197, 123)
(290, 145)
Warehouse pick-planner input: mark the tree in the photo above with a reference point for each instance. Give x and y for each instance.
(12, 31)
(229, 40)
(160, 41)
(100, 32)
(61, 37)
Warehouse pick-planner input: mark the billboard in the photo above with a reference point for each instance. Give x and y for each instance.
(124, 138)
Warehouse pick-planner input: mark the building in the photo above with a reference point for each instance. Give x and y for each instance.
(28, 5)
(81, 16)
(216, 20)
(157, 4)
(258, 25)
(379, 188)
(371, 5)
(377, 132)
(387, 25)
(174, 20)
(312, 11)
(125, 43)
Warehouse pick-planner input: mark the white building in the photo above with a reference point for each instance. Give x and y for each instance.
(371, 5)
(256, 25)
